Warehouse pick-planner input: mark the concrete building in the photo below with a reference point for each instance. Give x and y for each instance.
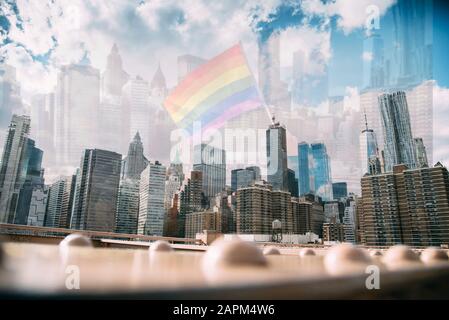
(151, 200)
(197, 222)
(409, 206)
(333, 232)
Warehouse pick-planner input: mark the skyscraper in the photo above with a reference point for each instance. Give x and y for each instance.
(398, 144)
(277, 169)
(211, 162)
(339, 190)
(135, 161)
(114, 77)
(246, 177)
(12, 166)
(273, 89)
(38, 206)
(369, 151)
(151, 200)
(60, 202)
(135, 102)
(321, 171)
(127, 206)
(76, 112)
(292, 183)
(303, 168)
(33, 176)
(373, 61)
(421, 154)
(96, 191)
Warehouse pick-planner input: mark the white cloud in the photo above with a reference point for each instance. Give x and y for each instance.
(351, 14)
(367, 56)
(313, 45)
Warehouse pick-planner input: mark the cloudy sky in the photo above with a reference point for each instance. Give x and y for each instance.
(38, 36)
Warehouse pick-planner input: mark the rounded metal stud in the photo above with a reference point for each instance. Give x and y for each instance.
(76, 240)
(375, 253)
(434, 255)
(160, 246)
(346, 258)
(233, 253)
(400, 256)
(271, 251)
(307, 252)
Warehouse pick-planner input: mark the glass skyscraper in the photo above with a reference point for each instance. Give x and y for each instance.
(321, 171)
(277, 169)
(303, 168)
(398, 140)
(211, 162)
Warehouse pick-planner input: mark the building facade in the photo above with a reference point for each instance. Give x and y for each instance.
(151, 200)
(96, 191)
(409, 206)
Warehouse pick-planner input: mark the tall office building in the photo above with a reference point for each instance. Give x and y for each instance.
(303, 168)
(254, 213)
(409, 206)
(33, 176)
(398, 145)
(339, 190)
(114, 77)
(111, 125)
(421, 154)
(349, 220)
(76, 112)
(127, 206)
(412, 34)
(281, 209)
(369, 150)
(308, 215)
(172, 186)
(96, 191)
(246, 177)
(321, 171)
(38, 206)
(292, 183)
(151, 200)
(277, 169)
(275, 92)
(13, 166)
(373, 61)
(60, 202)
(211, 162)
(135, 103)
(191, 199)
(135, 161)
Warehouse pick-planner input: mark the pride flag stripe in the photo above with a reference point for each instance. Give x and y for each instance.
(185, 91)
(218, 108)
(215, 92)
(221, 81)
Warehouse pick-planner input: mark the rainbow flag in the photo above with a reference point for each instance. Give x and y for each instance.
(215, 92)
